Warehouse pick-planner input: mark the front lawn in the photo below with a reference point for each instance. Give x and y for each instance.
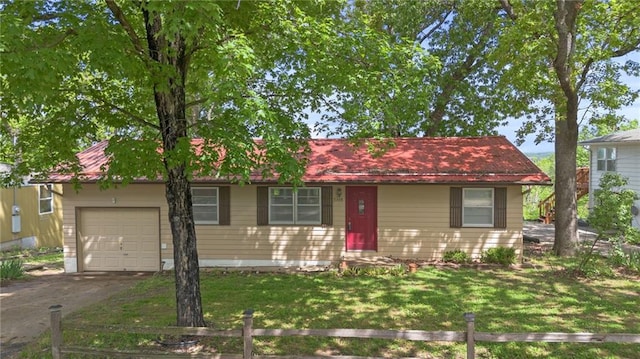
(504, 300)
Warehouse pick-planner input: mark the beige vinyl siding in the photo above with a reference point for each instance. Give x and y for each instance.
(413, 222)
(244, 241)
(90, 196)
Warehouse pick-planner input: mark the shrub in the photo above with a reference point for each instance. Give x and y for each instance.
(375, 271)
(456, 256)
(632, 236)
(630, 261)
(11, 269)
(499, 255)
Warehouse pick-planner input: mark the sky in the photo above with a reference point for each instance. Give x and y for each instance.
(529, 146)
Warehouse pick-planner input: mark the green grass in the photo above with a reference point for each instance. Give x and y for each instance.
(433, 299)
(15, 262)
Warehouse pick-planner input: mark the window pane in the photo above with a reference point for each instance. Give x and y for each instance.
(281, 196)
(206, 196)
(601, 165)
(611, 153)
(309, 196)
(478, 197)
(45, 191)
(203, 214)
(478, 216)
(601, 153)
(309, 214)
(281, 214)
(45, 206)
(611, 165)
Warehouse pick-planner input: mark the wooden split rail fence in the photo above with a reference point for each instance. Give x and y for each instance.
(248, 332)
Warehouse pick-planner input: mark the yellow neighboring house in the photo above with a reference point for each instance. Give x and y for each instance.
(31, 216)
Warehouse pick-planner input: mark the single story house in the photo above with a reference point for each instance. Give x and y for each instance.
(617, 152)
(30, 215)
(419, 199)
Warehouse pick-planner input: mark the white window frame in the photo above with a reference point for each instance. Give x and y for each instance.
(42, 199)
(216, 205)
(466, 205)
(606, 156)
(295, 206)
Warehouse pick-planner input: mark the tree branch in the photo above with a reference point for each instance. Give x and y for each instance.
(508, 8)
(585, 72)
(131, 115)
(422, 38)
(57, 41)
(126, 25)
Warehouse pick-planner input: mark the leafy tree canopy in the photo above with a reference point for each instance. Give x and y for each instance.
(77, 72)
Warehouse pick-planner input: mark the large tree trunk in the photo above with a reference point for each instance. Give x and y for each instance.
(566, 226)
(170, 102)
(566, 129)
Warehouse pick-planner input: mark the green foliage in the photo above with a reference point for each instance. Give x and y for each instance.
(456, 256)
(535, 194)
(499, 255)
(375, 271)
(611, 216)
(504, 301)
(632, 236)
(11, 269)
(629, 261)
(591, 266)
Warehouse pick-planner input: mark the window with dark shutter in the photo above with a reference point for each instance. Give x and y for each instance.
(477, 211)
(455, 207)
(263, 206)
(500, 208)
(284, 205)
(327, 206)
(225, 206)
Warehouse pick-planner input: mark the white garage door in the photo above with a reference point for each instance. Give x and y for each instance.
(120, 239)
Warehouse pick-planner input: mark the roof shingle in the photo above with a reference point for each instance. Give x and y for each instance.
(451, 160)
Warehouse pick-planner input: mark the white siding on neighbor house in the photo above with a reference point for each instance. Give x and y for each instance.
(627, 165)
(413, 222)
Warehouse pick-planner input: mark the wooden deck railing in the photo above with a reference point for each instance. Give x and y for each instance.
(547, 207)
(470, 336)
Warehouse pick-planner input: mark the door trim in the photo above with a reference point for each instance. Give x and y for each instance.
(374, 221)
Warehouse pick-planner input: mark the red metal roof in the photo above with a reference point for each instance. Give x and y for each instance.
(451, 160)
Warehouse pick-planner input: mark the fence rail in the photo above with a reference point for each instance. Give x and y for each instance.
(470, 336)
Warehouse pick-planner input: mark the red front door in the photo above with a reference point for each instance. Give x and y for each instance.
(362, 218)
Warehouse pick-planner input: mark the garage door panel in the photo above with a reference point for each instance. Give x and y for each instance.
(120, 239)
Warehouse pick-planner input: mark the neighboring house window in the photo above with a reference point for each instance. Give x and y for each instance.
(210, 205)
(478, 207)
(285, 205)
(45, 197)
(606, 159)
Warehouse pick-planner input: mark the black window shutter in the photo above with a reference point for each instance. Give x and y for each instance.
(327, 205)
(263, 206)
(500, 208)
(224, 201)
(455, 207)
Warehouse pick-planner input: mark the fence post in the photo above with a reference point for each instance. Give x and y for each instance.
(247, 335)
(471, 342)
(56, 331)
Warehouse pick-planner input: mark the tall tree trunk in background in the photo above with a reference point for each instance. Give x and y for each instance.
(170, 102)
(566, 129)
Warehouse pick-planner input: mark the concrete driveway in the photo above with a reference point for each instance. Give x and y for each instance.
(24, 304)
